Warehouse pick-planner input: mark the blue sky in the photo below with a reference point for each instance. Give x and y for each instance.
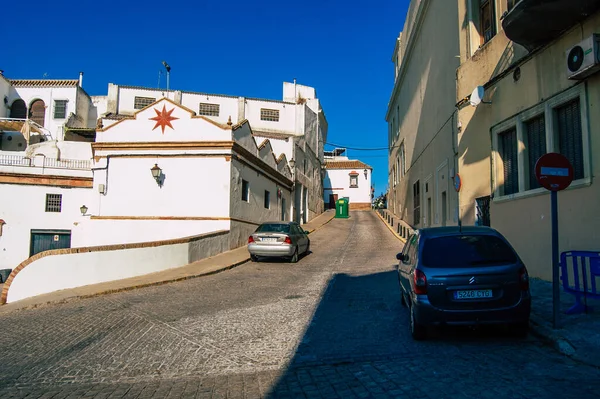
(245, 48)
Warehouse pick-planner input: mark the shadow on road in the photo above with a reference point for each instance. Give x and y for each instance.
(360, 318)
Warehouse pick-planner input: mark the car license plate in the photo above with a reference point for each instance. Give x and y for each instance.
(269, 239)
(472, 294)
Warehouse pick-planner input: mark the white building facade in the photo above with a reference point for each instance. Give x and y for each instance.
(123, 177)
(43, 179)
(347, 178)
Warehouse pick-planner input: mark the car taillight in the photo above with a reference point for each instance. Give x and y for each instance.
(287, 240)
(250, 240)
(523, 279)
(420, 282)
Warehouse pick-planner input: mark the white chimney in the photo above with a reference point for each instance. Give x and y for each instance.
(80, 79)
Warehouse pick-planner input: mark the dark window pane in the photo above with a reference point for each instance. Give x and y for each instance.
(273, 228)
(570, 140)
(535, 130)
(467, 251)
(508, 154)
(60, 109)
(245, 190)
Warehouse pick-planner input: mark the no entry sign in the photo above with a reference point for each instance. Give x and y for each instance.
(554, 171)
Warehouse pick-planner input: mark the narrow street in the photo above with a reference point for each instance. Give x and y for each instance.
(329, 326)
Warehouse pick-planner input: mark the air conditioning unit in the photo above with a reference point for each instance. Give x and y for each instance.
(583, 59)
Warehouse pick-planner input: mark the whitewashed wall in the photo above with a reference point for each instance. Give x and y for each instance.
(23, 209)
(339, 180)
(48, 95)
(228, 106)
(194, 186)
(287, 115)
(5, 87)
(91, 232)
(62, 271)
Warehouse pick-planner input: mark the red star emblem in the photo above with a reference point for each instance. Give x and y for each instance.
(163, 118)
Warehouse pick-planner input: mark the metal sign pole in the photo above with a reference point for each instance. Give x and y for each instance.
(555, 265)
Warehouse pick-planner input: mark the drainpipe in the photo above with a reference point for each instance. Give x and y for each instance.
(81, 79)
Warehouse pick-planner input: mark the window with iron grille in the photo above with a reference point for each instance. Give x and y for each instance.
(142, 102)
(53, 202)
(269, 115)
(353, 181)
(507, 143)
(245, 190)
(267, 200)
(487, 20)
(60, 109)
(416, 202)
(535, 139)
(570, 140)
(208, 109)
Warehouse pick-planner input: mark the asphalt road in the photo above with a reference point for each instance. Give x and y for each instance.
(329, 326)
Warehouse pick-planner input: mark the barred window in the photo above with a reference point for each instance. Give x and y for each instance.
(142, 102)
(570, 139)
(53, 202)
(535, 131)
(208, 109)
(60, 109)
(269, 115)
(487, 20)
(508, 154)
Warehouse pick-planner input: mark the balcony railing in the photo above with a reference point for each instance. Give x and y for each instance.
(43, 162)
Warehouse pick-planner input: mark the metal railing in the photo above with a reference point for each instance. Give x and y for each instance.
(19, 160)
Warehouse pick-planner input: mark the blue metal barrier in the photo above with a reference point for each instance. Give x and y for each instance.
(579, 273)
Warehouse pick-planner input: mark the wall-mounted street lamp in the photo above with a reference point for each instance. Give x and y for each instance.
(83, 210)
(366, 172)
(156, 173)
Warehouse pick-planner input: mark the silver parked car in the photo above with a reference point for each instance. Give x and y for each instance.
(278, 239)
(463, 276)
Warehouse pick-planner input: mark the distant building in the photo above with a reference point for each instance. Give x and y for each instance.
(347, 178)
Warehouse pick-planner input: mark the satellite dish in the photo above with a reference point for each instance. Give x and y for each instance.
(477, 96)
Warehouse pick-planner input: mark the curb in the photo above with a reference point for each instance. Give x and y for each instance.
(144, 285)
(390, 228)
(558, 342)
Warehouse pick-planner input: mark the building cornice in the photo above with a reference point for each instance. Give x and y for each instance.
(412, 38)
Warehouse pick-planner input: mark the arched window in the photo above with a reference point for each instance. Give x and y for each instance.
(37, 112)
(18, 109)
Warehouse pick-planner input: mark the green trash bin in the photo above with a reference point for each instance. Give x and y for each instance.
(341, 208)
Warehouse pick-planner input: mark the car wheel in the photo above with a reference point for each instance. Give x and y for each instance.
(520, 329)
(417, 331)
(294, 257)
(254, 258)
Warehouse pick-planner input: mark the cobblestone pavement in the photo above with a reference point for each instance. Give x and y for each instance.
(329, 326)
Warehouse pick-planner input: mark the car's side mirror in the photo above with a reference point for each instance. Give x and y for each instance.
(306, 232)
(400, 256)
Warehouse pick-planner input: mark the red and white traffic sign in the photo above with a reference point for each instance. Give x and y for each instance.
(554, 171)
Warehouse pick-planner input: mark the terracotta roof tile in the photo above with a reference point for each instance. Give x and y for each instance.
(45, 82)
(345, 164)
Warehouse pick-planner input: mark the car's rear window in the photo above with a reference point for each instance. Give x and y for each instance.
(466, 251)
(273, 228)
